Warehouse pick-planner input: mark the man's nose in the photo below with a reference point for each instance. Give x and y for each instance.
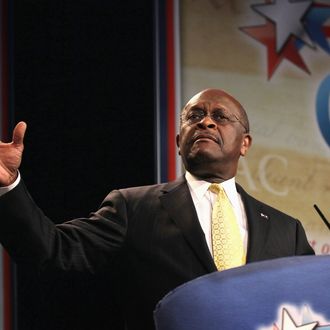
(207, 122)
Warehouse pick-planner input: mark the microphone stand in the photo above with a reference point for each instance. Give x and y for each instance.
(322, 216)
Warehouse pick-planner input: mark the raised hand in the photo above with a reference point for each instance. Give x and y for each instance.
(11, 155)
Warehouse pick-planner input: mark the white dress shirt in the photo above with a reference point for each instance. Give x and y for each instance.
(204, 199)
(4, 190)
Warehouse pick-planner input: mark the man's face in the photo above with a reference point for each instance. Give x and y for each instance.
(212, 136)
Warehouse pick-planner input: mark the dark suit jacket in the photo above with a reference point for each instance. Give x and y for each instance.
(149, 237)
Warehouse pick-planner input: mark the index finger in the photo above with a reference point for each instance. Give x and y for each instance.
(19, 132)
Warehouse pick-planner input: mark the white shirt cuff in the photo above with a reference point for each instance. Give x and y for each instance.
(4, 190)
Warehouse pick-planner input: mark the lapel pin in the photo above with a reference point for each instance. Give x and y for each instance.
(263, 215)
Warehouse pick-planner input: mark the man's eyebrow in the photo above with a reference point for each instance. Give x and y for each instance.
(202, 108)
(220, 109)
(196, 106)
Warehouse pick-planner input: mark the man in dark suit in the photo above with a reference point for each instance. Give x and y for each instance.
(152, 239)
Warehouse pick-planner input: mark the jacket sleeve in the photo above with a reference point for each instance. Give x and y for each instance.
(84, 244)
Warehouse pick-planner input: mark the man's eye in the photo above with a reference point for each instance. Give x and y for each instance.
(220, 117)
(195, 116)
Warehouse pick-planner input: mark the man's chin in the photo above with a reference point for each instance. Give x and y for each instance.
(202, 156)
(200, 162)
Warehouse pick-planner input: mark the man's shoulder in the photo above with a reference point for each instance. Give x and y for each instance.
(153, 189)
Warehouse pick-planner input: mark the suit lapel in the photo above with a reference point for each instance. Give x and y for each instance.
(177, 201)
(258, 225)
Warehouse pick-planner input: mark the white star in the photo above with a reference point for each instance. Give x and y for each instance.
(289, 324)
(287, 15)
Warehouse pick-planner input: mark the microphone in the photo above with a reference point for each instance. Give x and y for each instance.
(322, 216)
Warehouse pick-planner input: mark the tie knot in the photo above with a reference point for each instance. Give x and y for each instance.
(215, 188)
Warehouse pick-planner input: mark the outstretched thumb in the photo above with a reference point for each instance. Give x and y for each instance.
(19, 132)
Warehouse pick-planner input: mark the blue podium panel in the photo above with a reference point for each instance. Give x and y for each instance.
(281, 294)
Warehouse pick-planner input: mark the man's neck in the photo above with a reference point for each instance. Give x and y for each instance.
(210, 179)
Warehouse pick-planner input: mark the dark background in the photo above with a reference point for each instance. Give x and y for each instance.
(83, 80)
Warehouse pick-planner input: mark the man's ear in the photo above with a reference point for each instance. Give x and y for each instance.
(246, 144)
(178, 142)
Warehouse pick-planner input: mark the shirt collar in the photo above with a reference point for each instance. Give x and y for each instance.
(200, 187)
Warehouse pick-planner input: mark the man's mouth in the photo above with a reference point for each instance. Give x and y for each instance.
(203, 136)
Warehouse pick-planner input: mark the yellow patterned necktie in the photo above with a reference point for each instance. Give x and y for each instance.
(227, 244)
